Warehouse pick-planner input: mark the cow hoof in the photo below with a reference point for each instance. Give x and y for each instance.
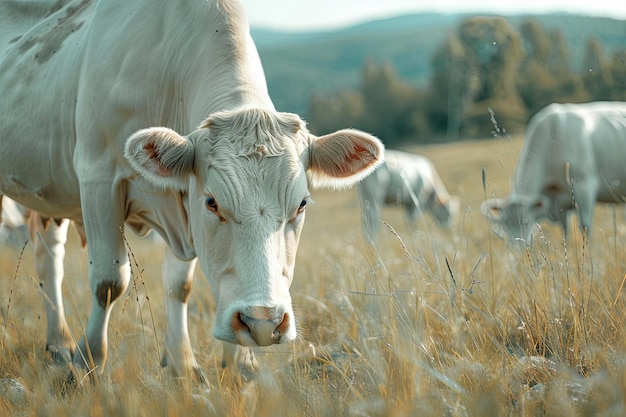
(62, 356)
(68, 386)
(195, 372)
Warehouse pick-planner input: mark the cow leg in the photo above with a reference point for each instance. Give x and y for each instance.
(370, 214)
(564, 219)
(585, 193)
(49, 238)
(413, 213)
(109, 269)
(177, 278)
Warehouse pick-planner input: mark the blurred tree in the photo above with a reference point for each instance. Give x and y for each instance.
(450, 87)
(493, 54)
(536, 44)
(618, 71)
(569, 86)
(483, 80)
(384, 105)
(544, 75)
(387, 102)
(331, 112)
(597, 75)
(535, 81)
(559, 56)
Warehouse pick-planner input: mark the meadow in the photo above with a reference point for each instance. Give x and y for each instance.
(435, 323)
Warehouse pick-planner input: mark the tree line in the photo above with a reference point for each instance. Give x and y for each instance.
(488, 78)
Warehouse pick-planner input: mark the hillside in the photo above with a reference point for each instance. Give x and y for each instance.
(298, 64)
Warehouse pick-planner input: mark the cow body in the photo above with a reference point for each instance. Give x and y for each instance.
(572, 157)
(408, 180)
(79, 81)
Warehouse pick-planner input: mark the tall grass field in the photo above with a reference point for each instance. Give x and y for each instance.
(434, 323)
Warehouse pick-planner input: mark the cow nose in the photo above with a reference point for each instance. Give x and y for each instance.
(265, 325)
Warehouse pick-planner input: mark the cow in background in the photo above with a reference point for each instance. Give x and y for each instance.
(573, 156)
(409, 180)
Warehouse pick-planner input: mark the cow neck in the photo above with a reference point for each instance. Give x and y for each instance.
(226, 60)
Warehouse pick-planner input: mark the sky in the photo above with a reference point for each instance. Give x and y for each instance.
(302, 15)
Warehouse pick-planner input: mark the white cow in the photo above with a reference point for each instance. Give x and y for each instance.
(572, 157)
(79, 83)
(409, 180)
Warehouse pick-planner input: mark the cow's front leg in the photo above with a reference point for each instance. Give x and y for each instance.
(177, 278)
(109, 269)
(413, 212)
(50, 236)
(584, 202)
(370, 217)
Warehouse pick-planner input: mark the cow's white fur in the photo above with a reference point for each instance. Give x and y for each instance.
(223, 178)
(572, 157)
(409, 180)
(12, 222)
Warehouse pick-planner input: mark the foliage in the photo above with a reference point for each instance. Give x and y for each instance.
(383, 105)
(618, 69)
(544, 76)
(433, 63)
(484, 67)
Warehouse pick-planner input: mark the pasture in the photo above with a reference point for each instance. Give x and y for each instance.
(436, 323)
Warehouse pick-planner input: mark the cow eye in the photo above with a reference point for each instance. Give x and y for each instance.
(302, 205)
(211, 204)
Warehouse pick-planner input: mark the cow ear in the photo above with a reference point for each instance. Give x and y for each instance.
(161, 156)
(343, 158)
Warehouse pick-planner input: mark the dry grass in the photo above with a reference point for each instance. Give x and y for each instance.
(436, 324)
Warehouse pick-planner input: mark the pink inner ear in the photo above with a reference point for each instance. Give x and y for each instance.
(151, 151)
(356, 153)
(359, 156)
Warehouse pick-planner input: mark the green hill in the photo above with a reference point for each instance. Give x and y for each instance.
(298, 64)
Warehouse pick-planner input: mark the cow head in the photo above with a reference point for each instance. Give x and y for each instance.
(445, 209)
(516, 216)
(245, 172)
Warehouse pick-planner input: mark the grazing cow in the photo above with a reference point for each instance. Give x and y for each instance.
(572, 157)
(409, 180)
(222, 176)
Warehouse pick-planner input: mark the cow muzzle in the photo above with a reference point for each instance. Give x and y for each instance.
(260, 326)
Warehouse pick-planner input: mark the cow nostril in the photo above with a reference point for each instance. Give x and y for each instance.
(239, 323)
(263, 326)
(281, 328)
